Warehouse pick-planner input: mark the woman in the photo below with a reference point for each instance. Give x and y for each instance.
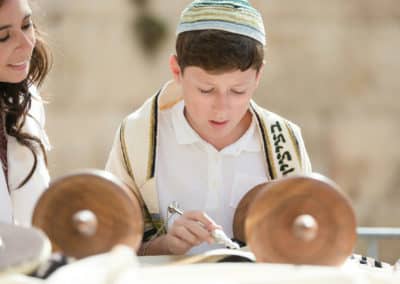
(24, 63)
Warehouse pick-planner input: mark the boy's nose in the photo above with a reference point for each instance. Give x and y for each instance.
(221, 101)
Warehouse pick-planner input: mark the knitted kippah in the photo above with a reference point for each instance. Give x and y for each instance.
(235, 16)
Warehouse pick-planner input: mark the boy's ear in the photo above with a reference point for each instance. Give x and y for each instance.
(259, 74)
(175, 68)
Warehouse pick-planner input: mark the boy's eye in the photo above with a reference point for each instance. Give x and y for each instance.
(238, 92)
(204, 91)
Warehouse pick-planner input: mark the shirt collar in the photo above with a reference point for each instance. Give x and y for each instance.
(249, 142)
(185, 134)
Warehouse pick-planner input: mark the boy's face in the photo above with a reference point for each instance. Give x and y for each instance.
(217, 105)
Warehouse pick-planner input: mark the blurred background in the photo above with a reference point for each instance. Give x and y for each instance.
(332, 67)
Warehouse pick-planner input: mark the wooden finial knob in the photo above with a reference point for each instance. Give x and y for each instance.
(305, 227)
(85, 222)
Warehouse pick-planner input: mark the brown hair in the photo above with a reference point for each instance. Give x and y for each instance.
(16, 100)
(218, 51)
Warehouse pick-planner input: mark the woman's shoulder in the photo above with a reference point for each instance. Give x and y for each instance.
(37, 109)
(36, 96)
(36, 119)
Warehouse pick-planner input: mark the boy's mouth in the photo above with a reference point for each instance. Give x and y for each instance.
(218, 123)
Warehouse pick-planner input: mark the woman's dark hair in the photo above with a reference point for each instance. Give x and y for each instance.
(218, 51)
(16, 100)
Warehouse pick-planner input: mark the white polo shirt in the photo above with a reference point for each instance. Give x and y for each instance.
(196, 175)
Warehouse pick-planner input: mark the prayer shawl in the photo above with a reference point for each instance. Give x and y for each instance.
(137, 138)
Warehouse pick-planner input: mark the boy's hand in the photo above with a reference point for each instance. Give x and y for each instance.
(189, 230)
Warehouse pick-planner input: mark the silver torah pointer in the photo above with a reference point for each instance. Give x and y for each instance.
(218, 235)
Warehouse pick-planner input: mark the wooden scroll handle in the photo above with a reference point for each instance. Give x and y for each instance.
(303, 219)
(89, 212)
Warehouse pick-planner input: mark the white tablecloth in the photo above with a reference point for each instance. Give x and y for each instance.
(121, 266)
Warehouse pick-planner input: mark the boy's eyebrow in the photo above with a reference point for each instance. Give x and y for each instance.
(5, 27)
(9, 26)
(242, 84)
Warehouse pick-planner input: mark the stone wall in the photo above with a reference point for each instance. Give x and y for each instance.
(332, 67)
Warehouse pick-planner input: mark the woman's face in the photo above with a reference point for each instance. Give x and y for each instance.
(17, 40)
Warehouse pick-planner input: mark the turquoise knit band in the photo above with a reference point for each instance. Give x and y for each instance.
(235, 16)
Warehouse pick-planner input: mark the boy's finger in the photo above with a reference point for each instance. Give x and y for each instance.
(201, 217)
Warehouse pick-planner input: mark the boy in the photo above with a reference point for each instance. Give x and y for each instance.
(201, 141)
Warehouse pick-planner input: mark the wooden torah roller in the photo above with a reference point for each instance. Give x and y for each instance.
(22, 250)
(297, 220)
(88, 213)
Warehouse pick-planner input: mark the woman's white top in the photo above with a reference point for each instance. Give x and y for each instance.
(18, 206)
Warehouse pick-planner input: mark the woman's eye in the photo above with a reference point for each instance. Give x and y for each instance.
(27, 26)
(4, 38)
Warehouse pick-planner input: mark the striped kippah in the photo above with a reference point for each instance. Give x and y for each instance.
(235, 16)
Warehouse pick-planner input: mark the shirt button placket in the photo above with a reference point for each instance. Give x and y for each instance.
(213, 184)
